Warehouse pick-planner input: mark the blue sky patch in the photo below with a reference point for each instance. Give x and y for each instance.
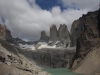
(48, 4)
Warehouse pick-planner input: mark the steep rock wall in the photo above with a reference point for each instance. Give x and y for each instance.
(63, 35)
(54, 58)
(87, 55)
(75, 32)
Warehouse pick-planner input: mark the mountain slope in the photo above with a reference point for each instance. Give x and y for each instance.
(87, 58)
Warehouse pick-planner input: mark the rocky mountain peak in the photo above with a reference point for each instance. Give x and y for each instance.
(53, 26)
(44, 37)
(53, 33)
(4, 32)
(63, 34)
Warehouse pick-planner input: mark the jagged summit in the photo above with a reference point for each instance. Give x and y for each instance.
(5, 33)
(53, 33)
(53, 26)
(60, 37)
(44, 37)
(63, 34)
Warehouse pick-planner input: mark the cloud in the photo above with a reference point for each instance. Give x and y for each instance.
(82, 4)
(26, 19)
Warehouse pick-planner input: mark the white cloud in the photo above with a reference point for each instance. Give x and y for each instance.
(26, 19)
(82, 4)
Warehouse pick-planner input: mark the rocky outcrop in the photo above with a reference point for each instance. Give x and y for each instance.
(88, 40)
(8, 35)
(60, 37)
(20, 41)
(53, 35)
(52, 58)
(5, 34)
(63, 34)
(98, 18)
(75, 32)
(44, 37)
(13, 61)
(2, 31)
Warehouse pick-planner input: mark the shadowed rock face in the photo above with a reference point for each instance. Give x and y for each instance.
(5, 33)
(53, 33)
(98, 18)
(63, 34)
(89, 37)
(76, 30)
(44, 37)
(8, 35)
(60, 37)
(2, 31)
(54, 58)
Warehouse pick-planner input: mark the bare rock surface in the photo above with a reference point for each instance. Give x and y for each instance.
(44, 37)
(89, 37)
(75, 32)
(63, 34)
(53, 35)
(91, 63)
(5, 33)
(14, 63)
(87, 58)
(54, 58)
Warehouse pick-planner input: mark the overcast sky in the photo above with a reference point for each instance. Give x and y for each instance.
(27, 18)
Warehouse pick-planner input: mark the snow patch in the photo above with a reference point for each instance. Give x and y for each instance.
(50, 42)
(57, 42)
(26, 46)
(45, 45)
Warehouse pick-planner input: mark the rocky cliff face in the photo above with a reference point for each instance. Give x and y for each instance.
(98, 18)
(63, 34)
(5, 33)
(44, 37)
(60, 37)
(2, 31)
(52, 58)
(89, 39)
(53, 34)
(76, 30)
